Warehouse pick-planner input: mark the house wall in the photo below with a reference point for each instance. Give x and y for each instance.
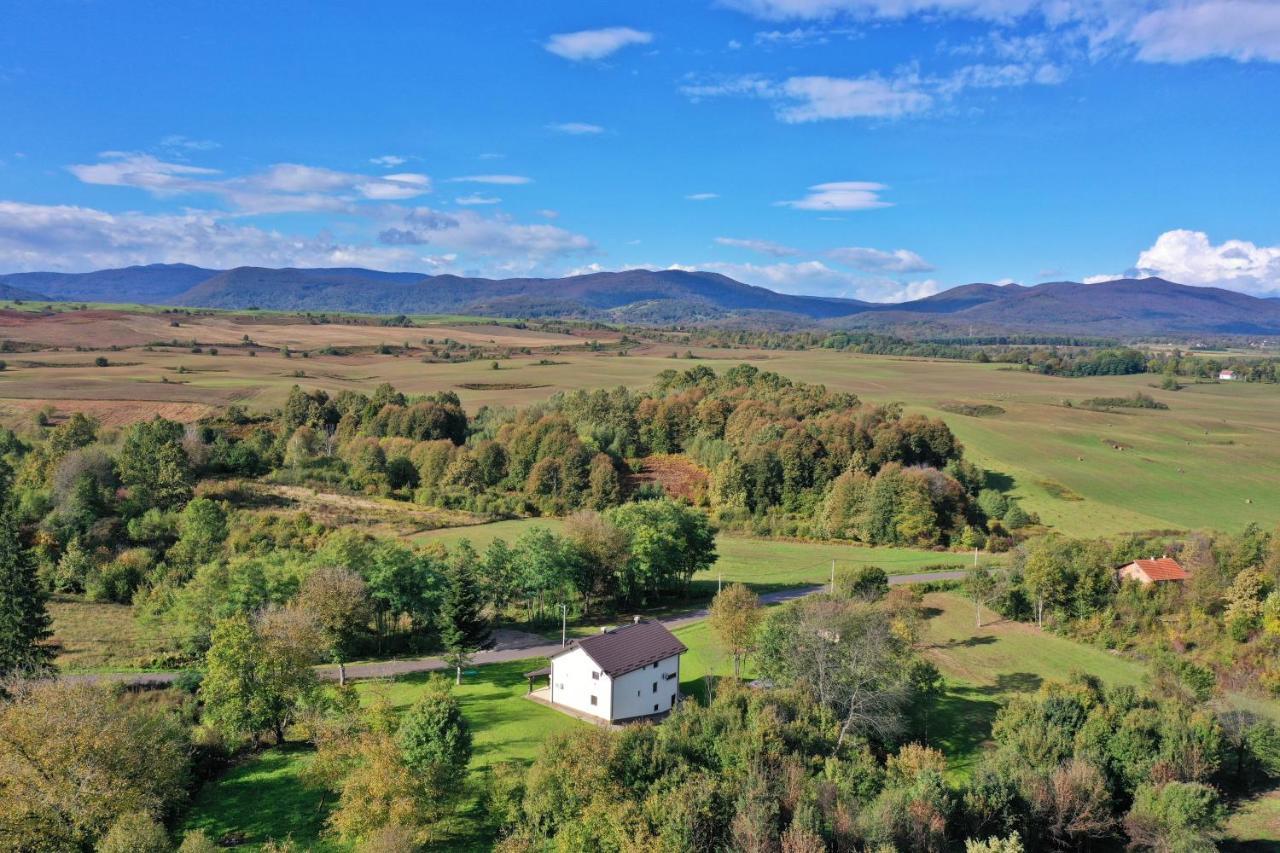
(633, 693)
(573, 686)
(1133, 573)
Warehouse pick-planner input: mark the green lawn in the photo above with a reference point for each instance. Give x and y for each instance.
(763, 564)
(265, 797)
(985, 667)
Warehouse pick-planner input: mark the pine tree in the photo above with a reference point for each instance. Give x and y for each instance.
(24, 621)
(463, 628)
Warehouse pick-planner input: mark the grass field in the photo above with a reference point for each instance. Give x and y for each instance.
(100, 637)
(1254, 826)
(1203, 463)
(764, 564)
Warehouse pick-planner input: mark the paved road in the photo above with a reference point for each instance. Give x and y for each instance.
(519, 648)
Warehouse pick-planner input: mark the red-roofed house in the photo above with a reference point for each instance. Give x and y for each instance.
(1162, 570)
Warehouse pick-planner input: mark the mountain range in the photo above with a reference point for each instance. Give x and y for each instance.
(1125, 307)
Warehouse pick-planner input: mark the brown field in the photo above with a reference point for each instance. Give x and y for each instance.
(105, 328)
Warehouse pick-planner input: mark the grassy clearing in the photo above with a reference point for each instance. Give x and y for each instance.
(985, 667)
(99, 637)
(1255, 825)
(764, 564)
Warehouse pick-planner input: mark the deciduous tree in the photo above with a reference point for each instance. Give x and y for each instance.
(735, 617)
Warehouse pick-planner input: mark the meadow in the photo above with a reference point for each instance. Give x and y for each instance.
(1205, 462)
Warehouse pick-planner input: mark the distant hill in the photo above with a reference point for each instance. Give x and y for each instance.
(8, 291)
(151, 284)
(1124, 308)
(633, 295)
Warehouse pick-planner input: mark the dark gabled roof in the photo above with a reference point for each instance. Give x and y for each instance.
(631, 647)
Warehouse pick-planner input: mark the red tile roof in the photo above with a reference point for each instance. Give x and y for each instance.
(631, 647)
(1162, 569)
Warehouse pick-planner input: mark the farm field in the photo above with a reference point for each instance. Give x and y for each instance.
(1203, 463)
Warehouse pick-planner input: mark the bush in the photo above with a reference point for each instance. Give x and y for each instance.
(135, 832)
(101, 361)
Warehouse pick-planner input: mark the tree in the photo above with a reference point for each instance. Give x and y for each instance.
(670, 542)
(735, 617)
(435, 740)
(1176, 817)
(256, 674)
(869, 583)
(75, 756)
(603, 551)
(135, 832)
(1046, 572)
(153, 465)
(24, 621)
(982, 587)
(338, 600)
(380, 790)
(995, 844)
(463, 628)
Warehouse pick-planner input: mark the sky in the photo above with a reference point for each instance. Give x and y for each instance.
(872, 149)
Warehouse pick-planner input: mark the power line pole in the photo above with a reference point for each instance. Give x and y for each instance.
(564, 624)
(833, 577)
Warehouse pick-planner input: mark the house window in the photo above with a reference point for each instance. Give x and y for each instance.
(655, 709)
(655, 687)
(595, 676)
(593, 700)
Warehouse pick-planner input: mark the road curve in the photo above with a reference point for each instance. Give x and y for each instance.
(517, 651)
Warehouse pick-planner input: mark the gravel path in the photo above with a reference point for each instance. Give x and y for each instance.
(511, 645)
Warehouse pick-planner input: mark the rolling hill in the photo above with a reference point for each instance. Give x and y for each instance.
(1123, 308)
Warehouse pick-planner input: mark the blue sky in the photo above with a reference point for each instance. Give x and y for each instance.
(878, 149)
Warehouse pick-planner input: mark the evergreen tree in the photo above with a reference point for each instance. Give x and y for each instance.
(24, 621)
(463, 628)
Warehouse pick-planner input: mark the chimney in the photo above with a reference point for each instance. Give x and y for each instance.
(635, 620)
(604, 629)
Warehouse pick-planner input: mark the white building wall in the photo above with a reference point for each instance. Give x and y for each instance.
(634, 694)
(573, 686)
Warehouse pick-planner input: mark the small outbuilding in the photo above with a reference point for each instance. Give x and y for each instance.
(619, 674)
(1226, 375)
(1154, 570)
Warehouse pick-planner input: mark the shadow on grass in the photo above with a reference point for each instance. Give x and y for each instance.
(264, 799)
(966, 643)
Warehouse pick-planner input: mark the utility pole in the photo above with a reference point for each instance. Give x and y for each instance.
(975, 558)
(833, 577)
(564, 624)
(719, 580)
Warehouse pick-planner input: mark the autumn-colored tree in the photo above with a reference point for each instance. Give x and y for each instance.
(338, 600)
(381, 790)
(257, 672)
(735, 617)
(75, 756)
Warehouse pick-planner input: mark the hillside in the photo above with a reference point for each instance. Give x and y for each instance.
(1128, 307)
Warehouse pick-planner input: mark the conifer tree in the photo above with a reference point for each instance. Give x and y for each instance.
(24, 621)
(463, 628)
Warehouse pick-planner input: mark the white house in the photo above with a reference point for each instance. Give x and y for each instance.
(619, 674)
(1226, 375)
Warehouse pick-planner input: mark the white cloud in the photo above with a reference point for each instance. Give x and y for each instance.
(71, 238)
(819, 98)
(576, 128)
(1244, 30)
(1158, 30)
(1100, 278)
(476, 198)
(280, 188)
(1188, 257)
(501, 180)
(548, 213)
(595, 44)
(841, 195)
(817, 279)
(803, 99)
(389, 161)
(468, 232)
(764, 247)
(702, 196)
(878, 260)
